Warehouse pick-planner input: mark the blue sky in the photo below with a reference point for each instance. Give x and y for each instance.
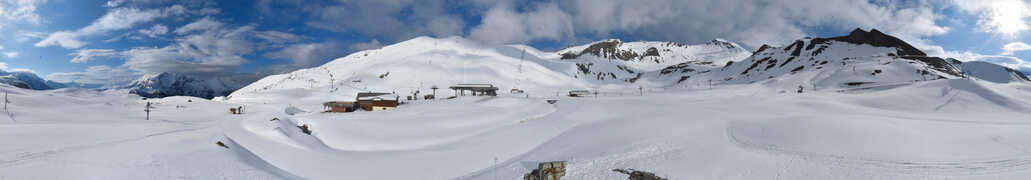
(112, 42)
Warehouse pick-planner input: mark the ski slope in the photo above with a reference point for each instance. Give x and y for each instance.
(949, 128)
(955, 129)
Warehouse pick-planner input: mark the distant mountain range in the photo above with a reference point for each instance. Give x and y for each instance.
(178, 84)
(152, 85)
(862, 59)
(28, 80)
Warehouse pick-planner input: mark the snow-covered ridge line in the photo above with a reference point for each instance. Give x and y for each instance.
(861, 59)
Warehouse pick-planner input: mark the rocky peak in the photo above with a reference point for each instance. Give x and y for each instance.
(875, 38)
(723, 43)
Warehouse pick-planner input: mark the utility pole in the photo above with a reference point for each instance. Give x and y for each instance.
(495, 165)
(147, 109)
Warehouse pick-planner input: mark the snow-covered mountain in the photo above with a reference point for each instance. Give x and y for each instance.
(990, 71)
(423, 62)
(862, 59)
(177, 84)
(631, 61)
(28, 80)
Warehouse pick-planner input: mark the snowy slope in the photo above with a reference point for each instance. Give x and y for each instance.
(955, 128)
(88, 134)
(176, 84)
(992, 72)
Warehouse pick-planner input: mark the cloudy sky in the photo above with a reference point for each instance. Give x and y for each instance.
(112, 42)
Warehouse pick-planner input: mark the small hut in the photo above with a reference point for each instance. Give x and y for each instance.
(579, 93)
(476, 89)
(372, 101)
(340, 106)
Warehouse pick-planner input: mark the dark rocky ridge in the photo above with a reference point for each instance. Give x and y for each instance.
(875, 38)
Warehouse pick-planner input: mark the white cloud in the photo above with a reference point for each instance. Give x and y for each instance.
(208, 11)
(154, 31)
(209, 48)
(19, 11)
(306, 55)
(392, 20)
(100, 75)
(365, 45)
(501, 24)
(84, 55)
(114, 3)
(68, 40)
(23, 36)
(125, 18)
(1010, 48)
(115, 19)
(750, 22)
(10, 54)
(1005, 17)
(277, 37)
(23, 70)
(203, 24)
